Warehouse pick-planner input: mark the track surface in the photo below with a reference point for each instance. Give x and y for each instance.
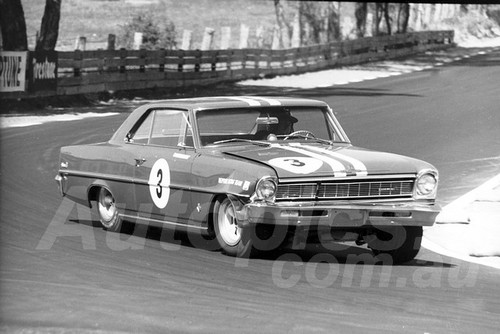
(60, 271)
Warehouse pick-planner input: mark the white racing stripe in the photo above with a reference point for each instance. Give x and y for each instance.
(337, 167)
(251, 102)
(271, 102)
(360, 168)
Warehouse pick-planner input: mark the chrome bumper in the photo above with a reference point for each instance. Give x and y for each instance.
(338, 215)
(61, 183)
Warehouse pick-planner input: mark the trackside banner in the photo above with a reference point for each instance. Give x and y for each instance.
(43, 74)
(13, 66)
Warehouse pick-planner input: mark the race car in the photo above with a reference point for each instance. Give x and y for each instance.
(252, 174)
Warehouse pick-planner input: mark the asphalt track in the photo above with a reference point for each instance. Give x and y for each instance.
(60, 272)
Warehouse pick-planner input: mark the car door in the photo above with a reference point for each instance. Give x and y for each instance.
(164, 152)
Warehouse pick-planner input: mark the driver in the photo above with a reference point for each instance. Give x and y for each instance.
(282, 128)
(286, 122)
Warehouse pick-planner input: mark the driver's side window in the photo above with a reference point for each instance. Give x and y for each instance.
(164, 127)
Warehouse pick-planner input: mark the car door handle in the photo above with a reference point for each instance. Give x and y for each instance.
(139, 162)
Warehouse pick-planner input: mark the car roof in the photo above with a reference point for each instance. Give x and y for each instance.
(213, 103)
(222, 102)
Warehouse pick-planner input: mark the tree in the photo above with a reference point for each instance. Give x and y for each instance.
(333, 28)
(310, 16)
(378, 17)
(49, 30)
(283, 24)
(403, 17)
(13, 25)
(320, 20)
(387, 17)
(361, 13)
(382, 11)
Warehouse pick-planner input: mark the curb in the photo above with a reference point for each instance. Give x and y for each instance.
(469, 228)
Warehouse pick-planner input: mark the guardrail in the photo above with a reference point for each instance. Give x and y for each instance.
(82, 72)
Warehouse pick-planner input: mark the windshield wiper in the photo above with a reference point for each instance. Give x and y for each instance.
(306, 137)
(321, 140)
(234, 140)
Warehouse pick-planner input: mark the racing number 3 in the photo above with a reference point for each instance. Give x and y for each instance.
(297, 165)
(295, 162)
(158, 186)
(159, 183)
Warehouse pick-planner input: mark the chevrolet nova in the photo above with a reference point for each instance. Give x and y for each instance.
(252, 174)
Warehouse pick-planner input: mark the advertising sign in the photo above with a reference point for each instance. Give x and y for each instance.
(13, 71)
(44, 71)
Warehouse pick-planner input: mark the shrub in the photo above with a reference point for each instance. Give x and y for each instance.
(153, 36)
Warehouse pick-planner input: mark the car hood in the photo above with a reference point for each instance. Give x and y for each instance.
(291, 160)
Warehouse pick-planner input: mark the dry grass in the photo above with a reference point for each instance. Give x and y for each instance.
(95, 19)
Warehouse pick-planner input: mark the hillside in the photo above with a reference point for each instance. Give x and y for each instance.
(95, 19)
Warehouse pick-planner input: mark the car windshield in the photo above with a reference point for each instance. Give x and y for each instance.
(268, 124)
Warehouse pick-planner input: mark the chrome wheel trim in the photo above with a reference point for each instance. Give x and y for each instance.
(107, 208)
(228, 225)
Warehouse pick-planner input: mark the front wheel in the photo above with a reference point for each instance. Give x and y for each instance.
(227, 231)
(401, 243)
(245, 241)
(108, 212)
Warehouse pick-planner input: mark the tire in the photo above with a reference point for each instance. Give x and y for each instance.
(108, 212)
(244, 242)
(401, 243)
(227, 231)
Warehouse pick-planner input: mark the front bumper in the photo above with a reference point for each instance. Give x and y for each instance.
(338, 215)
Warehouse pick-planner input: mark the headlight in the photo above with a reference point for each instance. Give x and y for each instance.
(426, 183)
(265, 189)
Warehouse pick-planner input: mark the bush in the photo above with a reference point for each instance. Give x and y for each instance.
(153, 38)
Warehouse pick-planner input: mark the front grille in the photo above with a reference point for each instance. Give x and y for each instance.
(366, 189)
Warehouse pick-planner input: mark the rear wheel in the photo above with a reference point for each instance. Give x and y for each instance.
(401, 243)
(108, 212)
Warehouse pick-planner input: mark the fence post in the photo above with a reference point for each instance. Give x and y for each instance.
(186, 39)
(225, 38)
(285, 38)
(77, 62)
(197, 65)
(276, 38)
(369, 25)
(229, 61)
(142, 56)
(208, 37)
(161, 62)
(81, 43)
(244, 31)
(296, 32)
(137, 40)
(111, 42)
(257, 63)
(259, 35)
(180, 64)
(215, 59)
(123, 60)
